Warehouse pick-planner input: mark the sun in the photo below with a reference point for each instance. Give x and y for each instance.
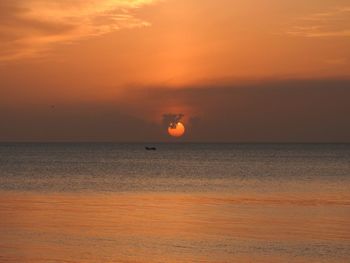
(176, 130)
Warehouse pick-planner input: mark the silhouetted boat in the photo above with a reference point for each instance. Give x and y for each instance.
(151, 148)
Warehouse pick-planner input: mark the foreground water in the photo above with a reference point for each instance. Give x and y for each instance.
(181, 203)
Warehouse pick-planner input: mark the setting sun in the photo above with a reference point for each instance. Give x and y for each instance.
(174, 131)
(177, 130)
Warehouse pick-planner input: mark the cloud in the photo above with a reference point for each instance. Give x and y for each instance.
(263, 111)
(31, 27)
(333, 23)
(171, 120)
(337, 61)
(288, 110)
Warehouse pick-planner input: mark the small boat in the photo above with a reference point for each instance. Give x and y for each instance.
(151, 148)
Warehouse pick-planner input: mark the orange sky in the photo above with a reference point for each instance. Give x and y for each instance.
(100, 52)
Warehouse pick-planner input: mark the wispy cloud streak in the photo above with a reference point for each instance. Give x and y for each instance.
(31, 27)
(333, 23)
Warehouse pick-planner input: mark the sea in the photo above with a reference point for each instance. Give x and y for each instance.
(110, 202)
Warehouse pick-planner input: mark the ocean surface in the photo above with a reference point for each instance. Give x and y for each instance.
(182, 203)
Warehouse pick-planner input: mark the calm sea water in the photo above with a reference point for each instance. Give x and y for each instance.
(181, 203)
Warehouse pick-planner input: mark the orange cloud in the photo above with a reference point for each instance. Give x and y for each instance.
(334, 23)
(31, 27)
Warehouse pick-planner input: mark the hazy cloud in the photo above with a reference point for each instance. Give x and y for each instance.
(337, 61)
(264, 111)
(333, 23)
(171, 120)
(30, 27)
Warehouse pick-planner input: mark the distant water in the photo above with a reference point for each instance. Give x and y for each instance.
(181, 203)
